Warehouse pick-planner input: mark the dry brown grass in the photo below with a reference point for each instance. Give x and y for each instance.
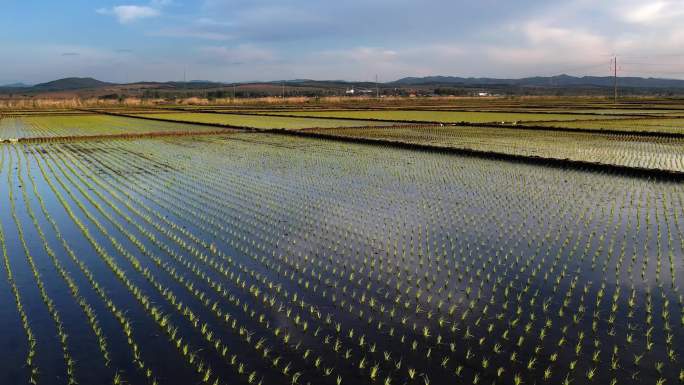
(54, 102)
(57, 103)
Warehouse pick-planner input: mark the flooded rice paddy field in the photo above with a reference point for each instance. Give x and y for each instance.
(253, 258)
(258, 122)
(446, 116)
(624, 150)
(667, 125)
(61, 125)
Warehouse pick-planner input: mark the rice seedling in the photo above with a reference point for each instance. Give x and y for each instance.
(33, 372)
(64, 274)
(47, 299)
(124, 322)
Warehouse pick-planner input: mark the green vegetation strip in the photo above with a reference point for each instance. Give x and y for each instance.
(441, 116)
(255, 121)
(13, 129)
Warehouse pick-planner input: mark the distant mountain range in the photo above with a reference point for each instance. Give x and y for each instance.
(542, 81)
(15, 85)
(68, 84)
(90, 86)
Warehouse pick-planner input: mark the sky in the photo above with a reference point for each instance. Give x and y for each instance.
(243, 40)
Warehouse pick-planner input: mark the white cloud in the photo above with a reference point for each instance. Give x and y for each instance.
(126, 14)
(192, 33)
(655, 12)
(130, 13)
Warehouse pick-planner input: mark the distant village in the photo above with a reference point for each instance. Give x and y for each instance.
(360, 91)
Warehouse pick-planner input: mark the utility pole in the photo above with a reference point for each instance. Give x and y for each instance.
(283, 95)
(377, 87)
(615, 81)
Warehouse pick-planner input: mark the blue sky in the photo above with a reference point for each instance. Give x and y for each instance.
(240, 40)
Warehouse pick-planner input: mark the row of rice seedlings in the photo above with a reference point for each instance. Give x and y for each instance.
(287, 365)
(427, 331)
(329, 321)
(578, 317)
(190, 315)
(47, 300)
(217, 235)
(219, 267)
(213, 306)
(191, 355)
(30, 337)
(118, 313)
(64, 274)
(220, 289)
(328, 318)
(12, 127)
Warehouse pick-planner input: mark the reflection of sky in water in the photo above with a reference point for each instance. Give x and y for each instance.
(480, 220)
